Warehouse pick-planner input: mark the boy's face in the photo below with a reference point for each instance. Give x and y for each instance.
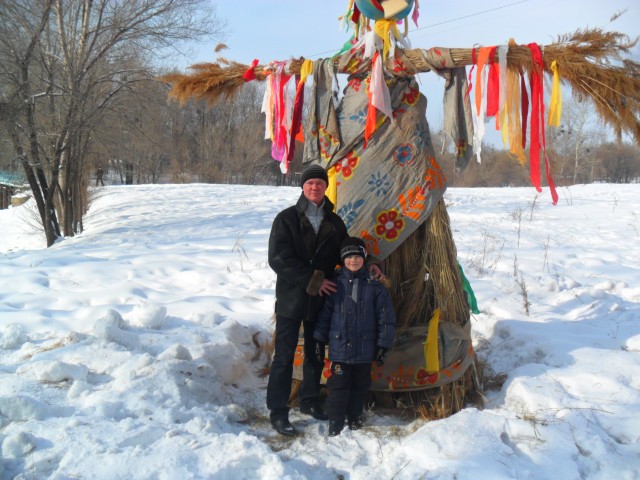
(354, 263)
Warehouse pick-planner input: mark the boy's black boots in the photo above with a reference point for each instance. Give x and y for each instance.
(355, 423)
(335, 428)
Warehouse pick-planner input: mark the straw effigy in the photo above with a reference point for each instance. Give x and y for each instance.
(423, 270)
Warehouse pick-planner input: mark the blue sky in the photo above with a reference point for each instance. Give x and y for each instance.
(280, 29)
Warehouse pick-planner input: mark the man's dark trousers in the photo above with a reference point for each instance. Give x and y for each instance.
(279, 386)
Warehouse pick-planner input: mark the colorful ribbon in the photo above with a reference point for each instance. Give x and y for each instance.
(250, 74)
(537, 124)
(384, 28)
(431, 354)
(379, 98)
(555, 105)
(279, 80)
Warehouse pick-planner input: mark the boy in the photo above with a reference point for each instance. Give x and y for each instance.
(358, 322)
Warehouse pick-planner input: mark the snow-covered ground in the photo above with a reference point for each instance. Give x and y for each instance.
(130, 350)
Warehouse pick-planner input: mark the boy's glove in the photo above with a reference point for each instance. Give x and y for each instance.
(381, 356)
(319, 352)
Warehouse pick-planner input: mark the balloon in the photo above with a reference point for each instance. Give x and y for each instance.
(375, 10)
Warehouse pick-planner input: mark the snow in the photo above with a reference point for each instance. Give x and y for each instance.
(131, 350)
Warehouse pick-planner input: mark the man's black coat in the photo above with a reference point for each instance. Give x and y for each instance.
(302, 259)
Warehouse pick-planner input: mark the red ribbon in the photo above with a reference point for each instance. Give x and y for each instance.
(537, 124)
(296, 119)
(474, 60)
(355, 16)
(279, 145)
(377, 5)
(250, 74)
(493, 89)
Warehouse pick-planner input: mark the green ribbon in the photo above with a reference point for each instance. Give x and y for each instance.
(471, 297)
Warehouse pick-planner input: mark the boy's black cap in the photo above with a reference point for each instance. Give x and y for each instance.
(352, 246)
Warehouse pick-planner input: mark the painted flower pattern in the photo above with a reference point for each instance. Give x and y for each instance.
(379, 184)
(349, 212)
(404, 155)
(398, 111)
(410, 96)
(347, 165)
(389, 225)
(326, 143)
(360, 117)
(355, 84)
(326, 369)
(434, 177)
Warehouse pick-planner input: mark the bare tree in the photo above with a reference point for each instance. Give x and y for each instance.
(63, 66)
(619, 163)
(573, 142)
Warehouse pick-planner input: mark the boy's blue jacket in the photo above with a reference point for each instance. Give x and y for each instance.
(355, 329)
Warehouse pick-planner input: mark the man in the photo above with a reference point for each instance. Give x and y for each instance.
(304, 249)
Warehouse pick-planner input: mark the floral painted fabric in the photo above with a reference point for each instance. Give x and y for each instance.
(405, 368)
(388, 187)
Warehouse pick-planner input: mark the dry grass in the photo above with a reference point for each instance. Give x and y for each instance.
(263, 354)
(595, 63)
(424, 274)
(432, 403)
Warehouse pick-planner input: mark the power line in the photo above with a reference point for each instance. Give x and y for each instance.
(471, 15)
(448, 21)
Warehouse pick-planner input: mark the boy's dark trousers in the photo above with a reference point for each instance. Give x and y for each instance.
(279, 385)
(348, 386)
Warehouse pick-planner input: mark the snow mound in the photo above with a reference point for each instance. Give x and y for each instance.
(57, 371)
(18, 445)
(149, 316)
(12, 337)
(109, 328)
(22, 408)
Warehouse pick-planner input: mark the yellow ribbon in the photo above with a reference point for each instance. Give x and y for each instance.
(305, 70)
(332, 189)
(504, 124)
(555, 106)
(431, 353)
(382, 28)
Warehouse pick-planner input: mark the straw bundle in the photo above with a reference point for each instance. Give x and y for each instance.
(424, 274)
(586, 64)
(209, 81)
(592, 62)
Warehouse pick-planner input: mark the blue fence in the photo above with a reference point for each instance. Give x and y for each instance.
(11, 179)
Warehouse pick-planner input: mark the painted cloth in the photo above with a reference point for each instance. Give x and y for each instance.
(458, 120)
(405, 368)
(386, 190)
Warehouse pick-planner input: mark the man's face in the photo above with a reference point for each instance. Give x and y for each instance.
(314, 189)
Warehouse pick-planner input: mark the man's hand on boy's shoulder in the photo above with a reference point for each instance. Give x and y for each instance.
(376, 273)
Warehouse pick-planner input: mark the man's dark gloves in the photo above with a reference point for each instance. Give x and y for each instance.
(381, 356)
(319, 352)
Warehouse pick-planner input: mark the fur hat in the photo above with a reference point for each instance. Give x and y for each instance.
(314, 171)
(352, 246)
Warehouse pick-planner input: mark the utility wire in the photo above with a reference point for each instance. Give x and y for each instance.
(470, 15)
(446, 21)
